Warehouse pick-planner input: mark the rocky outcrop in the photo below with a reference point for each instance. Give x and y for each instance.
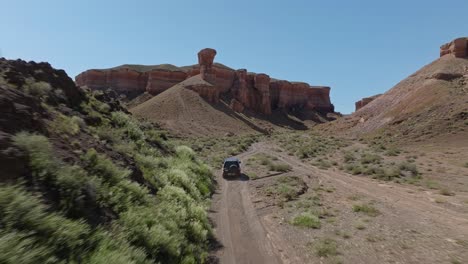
(364, 101)
(202, 87)
(160, 80)
(245, 91)
(262, 84)
(124, 81)
(457, 47)
(288, 95)
(446, 76)
(130, 82)
(205, 60)
(236, 106)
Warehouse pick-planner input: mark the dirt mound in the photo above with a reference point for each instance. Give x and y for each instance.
(184, 111)
(430, 103)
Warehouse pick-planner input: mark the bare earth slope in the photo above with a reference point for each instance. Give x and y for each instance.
(431, 102)
(185, 112)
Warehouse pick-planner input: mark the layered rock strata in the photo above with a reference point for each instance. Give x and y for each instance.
(255, 92)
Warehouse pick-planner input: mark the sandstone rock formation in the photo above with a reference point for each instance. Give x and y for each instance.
(236, 106)
(262, 84)
(458, 47)
(255, 92)
(205, 60)
(130, 82)
(364, 101)
(160, 80)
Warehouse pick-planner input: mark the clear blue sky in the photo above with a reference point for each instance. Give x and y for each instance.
(359, 48)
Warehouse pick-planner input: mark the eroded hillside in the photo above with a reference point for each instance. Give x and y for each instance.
(431, 104)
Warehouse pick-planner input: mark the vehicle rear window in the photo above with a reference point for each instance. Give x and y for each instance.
(227, 164)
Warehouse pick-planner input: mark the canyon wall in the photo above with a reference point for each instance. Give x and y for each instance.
(457, 47)
(364, 101)
(252, 91)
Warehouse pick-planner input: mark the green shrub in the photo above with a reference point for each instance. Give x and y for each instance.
(19, 247)
(405, 166)
(306, 219)
(39, 151)
(322, 164)
(129, 127)
(446, 192)
(354, 169)
(392, 152)
(348, 157)
(367, 209)
(369, 158)
(39, 89)
(98, 164)
(22, 211)
(326, 248)
(280, 167)
(66, 125)
(185, 152)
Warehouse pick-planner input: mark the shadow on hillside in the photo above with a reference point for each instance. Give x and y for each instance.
(277, 118)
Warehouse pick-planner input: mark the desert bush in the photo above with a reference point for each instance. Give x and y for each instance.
(370, 158)
(446, 192)
(22, 211)
(66, 125)
(185, 152)
(98, 164)
(280, 167)
(129, 126)
(405, 166)
(326, 248)
(354, 169)
(39, 152)
(20, 247)
(176, 230)
(306, 219)
(348, 157)
(367, 209)
(322, 164)
(393, 151)
(32, 234)
(39, 89)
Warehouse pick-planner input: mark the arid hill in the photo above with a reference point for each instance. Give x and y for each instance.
(181, 109)
(432, 102)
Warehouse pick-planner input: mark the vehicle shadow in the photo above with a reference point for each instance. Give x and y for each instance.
(242, 177)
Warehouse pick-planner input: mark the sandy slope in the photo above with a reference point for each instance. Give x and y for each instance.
(420, 106)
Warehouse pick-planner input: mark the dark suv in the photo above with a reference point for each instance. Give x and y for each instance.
(231, 167)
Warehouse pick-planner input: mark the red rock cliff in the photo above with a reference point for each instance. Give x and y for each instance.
(159, 80)
(364, 101)
(129, 81)
(458, 47)
(248, 91)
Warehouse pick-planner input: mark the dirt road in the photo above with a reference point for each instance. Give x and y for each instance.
(249, 235)
(238, 227)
